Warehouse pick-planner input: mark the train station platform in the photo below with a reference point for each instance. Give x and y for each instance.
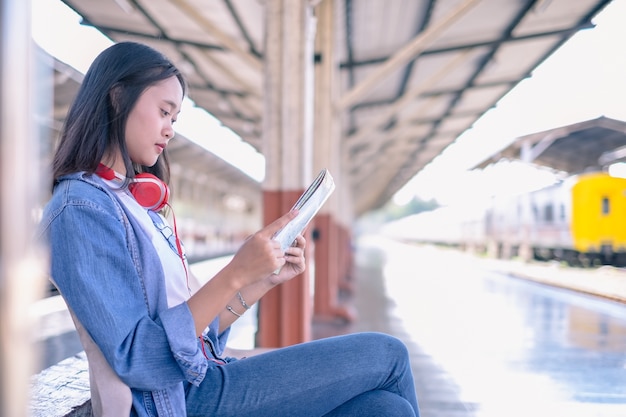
(469, 351)
(606, 281)
(410, 290)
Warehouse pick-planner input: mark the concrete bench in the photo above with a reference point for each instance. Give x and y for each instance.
(62, 390)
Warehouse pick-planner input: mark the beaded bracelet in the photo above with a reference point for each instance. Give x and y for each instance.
(242, 301)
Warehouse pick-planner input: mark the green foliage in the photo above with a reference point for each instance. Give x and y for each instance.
(416, 205)
(392, 211)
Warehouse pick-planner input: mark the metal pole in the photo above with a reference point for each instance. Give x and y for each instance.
(20, 267)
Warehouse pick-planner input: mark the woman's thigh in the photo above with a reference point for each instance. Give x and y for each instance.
(309, 379)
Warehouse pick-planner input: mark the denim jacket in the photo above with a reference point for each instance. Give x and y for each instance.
(110, 276)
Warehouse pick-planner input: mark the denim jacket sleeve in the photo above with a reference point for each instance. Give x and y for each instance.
(111, 277)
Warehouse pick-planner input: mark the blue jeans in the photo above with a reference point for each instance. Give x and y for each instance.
(362, 374)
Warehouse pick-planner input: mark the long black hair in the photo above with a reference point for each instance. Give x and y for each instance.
(96, 121)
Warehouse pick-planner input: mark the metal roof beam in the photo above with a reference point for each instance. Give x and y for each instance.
(558, 33)
(405, 54)
(610, 157)
(529, 152)
(242, 28)
(249, 88)
(411, 95)
(108, 30)
(226, 40)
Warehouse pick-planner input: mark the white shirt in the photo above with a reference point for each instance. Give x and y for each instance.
(159, 230)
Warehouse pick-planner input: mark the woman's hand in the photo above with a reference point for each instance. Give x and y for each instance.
(260, 255)
(251, 273)
(294, 265)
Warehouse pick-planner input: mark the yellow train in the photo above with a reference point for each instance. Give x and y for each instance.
(581, 220)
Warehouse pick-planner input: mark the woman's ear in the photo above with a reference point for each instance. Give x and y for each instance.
(115, 95)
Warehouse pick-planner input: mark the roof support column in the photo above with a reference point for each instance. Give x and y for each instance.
(285, 312)
(22, 263)
(525, 247)
(329, 235)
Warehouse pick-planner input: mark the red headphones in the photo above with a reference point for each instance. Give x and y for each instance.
(149, 191)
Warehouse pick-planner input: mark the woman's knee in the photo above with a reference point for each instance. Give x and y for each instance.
(384, 342)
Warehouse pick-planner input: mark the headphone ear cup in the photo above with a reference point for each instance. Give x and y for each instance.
(149, 191)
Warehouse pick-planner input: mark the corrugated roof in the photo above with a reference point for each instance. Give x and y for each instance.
(576, 148)
(415, 74)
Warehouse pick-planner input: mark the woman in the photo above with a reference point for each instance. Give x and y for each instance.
(154, 348)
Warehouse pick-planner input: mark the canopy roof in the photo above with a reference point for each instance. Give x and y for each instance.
(576, 148)
(414, 74)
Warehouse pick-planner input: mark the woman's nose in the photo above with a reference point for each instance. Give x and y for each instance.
(169, 132)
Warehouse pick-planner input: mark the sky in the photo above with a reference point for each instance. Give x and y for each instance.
(584, 79)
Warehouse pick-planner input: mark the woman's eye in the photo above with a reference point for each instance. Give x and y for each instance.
(165, 112)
